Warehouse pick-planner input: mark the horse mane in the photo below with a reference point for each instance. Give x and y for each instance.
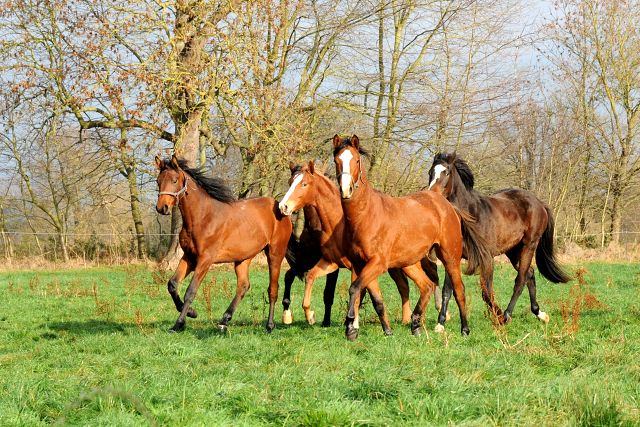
(461, 166)
(346, 142)
(215, 187)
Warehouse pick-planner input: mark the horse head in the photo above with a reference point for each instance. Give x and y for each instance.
(172, 183)
(301, 186)
(346, 154)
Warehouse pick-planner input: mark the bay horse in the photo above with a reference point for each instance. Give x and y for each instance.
(216, 228)
(512, 222)
(397, 232)
(311, 190)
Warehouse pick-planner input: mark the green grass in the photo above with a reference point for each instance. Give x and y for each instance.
(72, 356)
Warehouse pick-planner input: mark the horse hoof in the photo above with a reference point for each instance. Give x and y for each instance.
(270, 327)
(311, 318)
(287, 317)
(352, 334)
(176, 328)
(506, 318)
(465, 332)
(439, 328)
(544, 317)
(388, 333)
(223, 328)
(192, 312)
(448, 316)
(417, 331)
(326, 324)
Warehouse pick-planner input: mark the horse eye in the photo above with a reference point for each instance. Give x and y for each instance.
(447, 173)
(175, 181)
(304, 184)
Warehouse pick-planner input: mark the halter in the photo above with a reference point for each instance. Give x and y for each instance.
(180, 192)
(355, 184)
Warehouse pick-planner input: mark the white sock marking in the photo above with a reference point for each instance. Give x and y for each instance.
(296, 181)
(436, 174)
(345, 180)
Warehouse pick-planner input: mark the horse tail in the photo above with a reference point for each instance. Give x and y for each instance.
(303, 255)
(295, 256)
(545, 256)
(473, 244)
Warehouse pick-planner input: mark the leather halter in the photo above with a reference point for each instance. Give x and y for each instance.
(180, 192)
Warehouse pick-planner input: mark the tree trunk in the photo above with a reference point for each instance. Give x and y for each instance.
(135, 213)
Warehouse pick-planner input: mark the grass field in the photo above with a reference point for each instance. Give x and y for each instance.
(90, 347)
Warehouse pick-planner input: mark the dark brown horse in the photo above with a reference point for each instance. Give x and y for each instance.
(396, 232)
(512, 222)
(316, 193)
(302, 255)
(216, 229)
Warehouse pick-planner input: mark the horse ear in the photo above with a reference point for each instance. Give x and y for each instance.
(292, 166)
(174, 162)
(451, 157)
(336, 141)
(311, 167)
(159, 163)
(355, 142)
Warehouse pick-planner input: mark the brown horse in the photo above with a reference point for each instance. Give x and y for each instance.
(512, 222)
(216, 229)
(311, 188)
(396, 232)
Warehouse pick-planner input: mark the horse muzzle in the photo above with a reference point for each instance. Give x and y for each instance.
(163, 209)
(285, 210)
(346, 193)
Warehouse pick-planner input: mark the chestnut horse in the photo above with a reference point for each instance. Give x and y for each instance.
(512, 222)
(396, 232)
(310, 188)
(216, 229)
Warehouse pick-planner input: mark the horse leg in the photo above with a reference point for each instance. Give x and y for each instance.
(275, 255)
(322, 268)
(431, 270)
(329, 293)
(450, 258)
(378, 305)
(486, 285)
(371, 271)
(242, 276)
(289, 277)
(201, 270)
(447, 290)
(184, 268)
(530, 281)
(403, 288)
(522, 264)
(426, 286)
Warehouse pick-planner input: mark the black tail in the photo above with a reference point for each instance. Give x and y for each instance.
(545, 256)
(302, 257)
(474, 246)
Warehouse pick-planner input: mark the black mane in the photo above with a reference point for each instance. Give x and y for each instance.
(346, 142)
(461, 166)
(214, 187)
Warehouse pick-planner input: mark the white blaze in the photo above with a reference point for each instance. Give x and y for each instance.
(345, 180)
(436, 174)
(296, 181)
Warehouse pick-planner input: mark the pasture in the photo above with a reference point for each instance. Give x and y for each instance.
(90, 347)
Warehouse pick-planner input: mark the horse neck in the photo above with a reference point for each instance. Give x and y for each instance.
(193, 202)
(460, 196)
(359, 207)
(328, 206)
